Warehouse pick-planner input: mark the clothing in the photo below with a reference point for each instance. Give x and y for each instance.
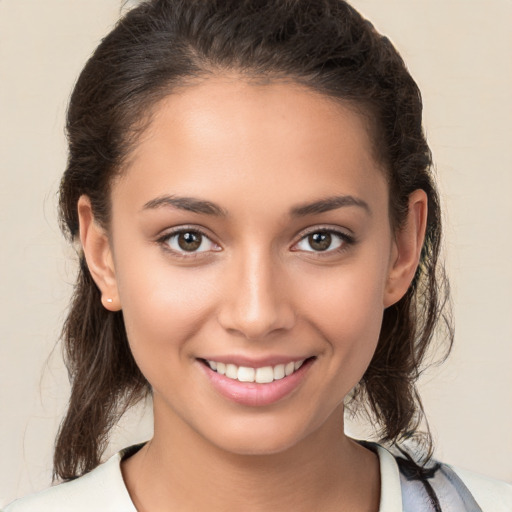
(103, 489)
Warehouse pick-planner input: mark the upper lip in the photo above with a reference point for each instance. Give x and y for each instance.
(254, 362)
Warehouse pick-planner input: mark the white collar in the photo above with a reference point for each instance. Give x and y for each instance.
(390, 488)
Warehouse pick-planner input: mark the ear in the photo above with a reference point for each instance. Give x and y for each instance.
(407, 247)
(98, 254)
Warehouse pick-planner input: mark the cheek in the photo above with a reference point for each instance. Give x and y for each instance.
(163, 306)
(348, 298)
(346, 307)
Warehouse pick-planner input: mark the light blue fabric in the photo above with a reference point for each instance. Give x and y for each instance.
(442, 491)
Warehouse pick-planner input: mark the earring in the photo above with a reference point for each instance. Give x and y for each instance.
(109, 300)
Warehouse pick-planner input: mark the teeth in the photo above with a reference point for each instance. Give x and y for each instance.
(263, 375)
(232, 371)
(278, 371)
(245, 374)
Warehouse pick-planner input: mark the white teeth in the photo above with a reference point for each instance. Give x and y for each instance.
(262, 375)
(278, 372)
(232, 371)
(246, 374)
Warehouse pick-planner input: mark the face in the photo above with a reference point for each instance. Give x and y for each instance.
(250, 236)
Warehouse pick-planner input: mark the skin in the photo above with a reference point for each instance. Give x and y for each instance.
(256, 288)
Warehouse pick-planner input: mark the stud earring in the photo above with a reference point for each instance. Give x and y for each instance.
(109, 300)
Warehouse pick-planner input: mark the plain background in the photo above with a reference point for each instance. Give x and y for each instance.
(459, 51)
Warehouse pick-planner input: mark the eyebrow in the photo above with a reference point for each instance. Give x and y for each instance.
(190, 204)
(328, 204)
(200, 206)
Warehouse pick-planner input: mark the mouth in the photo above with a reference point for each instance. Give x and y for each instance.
(256, 385)
(261, 375)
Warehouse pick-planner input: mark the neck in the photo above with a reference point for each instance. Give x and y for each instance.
(183, 471)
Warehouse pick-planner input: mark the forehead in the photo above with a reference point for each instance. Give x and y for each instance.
(228, 138)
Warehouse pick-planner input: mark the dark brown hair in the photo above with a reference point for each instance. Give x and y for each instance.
(324, 45)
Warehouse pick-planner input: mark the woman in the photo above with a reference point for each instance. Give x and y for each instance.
(260, 232)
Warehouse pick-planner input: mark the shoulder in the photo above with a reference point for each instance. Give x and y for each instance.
(492, 495)
(450, 488)
(101, 489)
(409, 486)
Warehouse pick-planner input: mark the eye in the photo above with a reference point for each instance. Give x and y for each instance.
(323, 241)
(189, 241)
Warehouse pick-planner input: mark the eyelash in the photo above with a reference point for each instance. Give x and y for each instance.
(164, 241)
(346, 241)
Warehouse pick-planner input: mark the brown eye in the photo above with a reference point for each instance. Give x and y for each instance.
(323, 241)
(190, 241)
(320, 241)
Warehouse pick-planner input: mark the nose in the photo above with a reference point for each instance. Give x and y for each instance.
(256, 300)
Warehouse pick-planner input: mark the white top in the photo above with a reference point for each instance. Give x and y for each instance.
(103, 489)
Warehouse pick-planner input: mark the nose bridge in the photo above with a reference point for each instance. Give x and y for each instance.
(256, 303)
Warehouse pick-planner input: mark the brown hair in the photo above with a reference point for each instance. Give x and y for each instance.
(163, 44)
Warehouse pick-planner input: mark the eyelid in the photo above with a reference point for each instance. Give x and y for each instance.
(347, 238)
(163, 240)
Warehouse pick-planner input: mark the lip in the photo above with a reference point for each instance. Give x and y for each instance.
(251, 393)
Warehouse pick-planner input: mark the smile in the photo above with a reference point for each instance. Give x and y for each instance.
(256, 386)
(263, 375)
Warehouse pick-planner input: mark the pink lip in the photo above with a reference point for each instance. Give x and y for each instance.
(252, 393)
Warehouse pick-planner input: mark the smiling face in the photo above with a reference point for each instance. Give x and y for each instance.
(250, 234)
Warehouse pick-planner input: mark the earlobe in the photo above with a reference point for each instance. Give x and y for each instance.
(98, 254)
(407, 249)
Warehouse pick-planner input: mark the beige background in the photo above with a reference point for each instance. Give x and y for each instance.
(460, 53)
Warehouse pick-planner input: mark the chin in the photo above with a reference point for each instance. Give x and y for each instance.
(260, 445)
(262, 436)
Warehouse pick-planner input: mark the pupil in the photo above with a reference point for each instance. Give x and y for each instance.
(320, 241)
(189, 241)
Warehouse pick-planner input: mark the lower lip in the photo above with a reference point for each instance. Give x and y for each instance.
(253, 393)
